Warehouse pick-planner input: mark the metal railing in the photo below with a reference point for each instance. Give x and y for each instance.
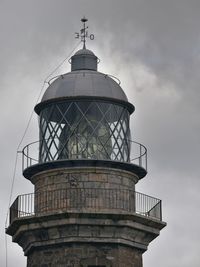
(138, 155)
(85, 200)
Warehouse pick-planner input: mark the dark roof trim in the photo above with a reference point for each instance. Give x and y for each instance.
(44, 104)
(37, 168)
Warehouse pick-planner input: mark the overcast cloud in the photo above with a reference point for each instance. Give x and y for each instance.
(153, 47)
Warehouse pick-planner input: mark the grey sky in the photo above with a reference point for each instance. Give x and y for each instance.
(153, 47)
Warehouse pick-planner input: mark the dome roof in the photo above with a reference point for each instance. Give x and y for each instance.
(84, 51)
(84, 83)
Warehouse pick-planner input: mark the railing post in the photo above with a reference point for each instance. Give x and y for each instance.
(14, 210)
(27, 153)
(160, 210)
(140, 158)
(86, 198)
(22, 160)
(146, 160)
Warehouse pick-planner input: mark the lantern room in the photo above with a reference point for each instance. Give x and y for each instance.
(84, 114)
(84, 117)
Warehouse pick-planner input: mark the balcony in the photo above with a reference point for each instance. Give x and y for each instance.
(120, 152)
(85, 200)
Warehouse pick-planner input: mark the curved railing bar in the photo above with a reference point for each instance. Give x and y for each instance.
(61, 75)
(145, 149)
(23, 150)
(142, 154)
(111, 76)
(70, 60)
(50, 81)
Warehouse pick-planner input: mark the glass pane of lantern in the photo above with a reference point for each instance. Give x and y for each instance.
(84, 130)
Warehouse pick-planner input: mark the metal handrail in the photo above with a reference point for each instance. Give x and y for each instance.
(51, 80)
(85, 200)
(142, 146)
(29, 158)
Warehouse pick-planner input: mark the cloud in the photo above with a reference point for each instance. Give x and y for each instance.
(153, 48)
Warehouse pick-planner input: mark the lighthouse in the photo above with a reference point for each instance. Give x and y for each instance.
(84, 210)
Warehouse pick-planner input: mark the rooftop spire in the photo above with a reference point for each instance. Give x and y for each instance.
(83, 30)
(84, 33)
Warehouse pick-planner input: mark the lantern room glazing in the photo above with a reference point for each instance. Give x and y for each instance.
(82, 129)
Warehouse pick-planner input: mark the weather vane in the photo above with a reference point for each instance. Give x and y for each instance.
(84, 33)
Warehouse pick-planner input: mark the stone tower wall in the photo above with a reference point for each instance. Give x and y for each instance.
(86, 255)
(84, 178)
(93, 189)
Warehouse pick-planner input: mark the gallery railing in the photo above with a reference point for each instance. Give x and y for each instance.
(137, 154)
(85, 200)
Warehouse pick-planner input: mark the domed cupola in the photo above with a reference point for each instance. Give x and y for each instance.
(84, 59)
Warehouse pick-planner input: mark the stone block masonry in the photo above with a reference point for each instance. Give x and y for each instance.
(84, 255)
(84, 178)
(83, 218)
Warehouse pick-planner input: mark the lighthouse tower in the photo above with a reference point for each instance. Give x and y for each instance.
(84, 211)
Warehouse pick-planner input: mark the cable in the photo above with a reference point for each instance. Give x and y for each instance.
(11, 191)
(15, 165)
(61, 62)
(29, 121)
(6, 246)
(24, 134)
(12, 185)
(45, 81)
